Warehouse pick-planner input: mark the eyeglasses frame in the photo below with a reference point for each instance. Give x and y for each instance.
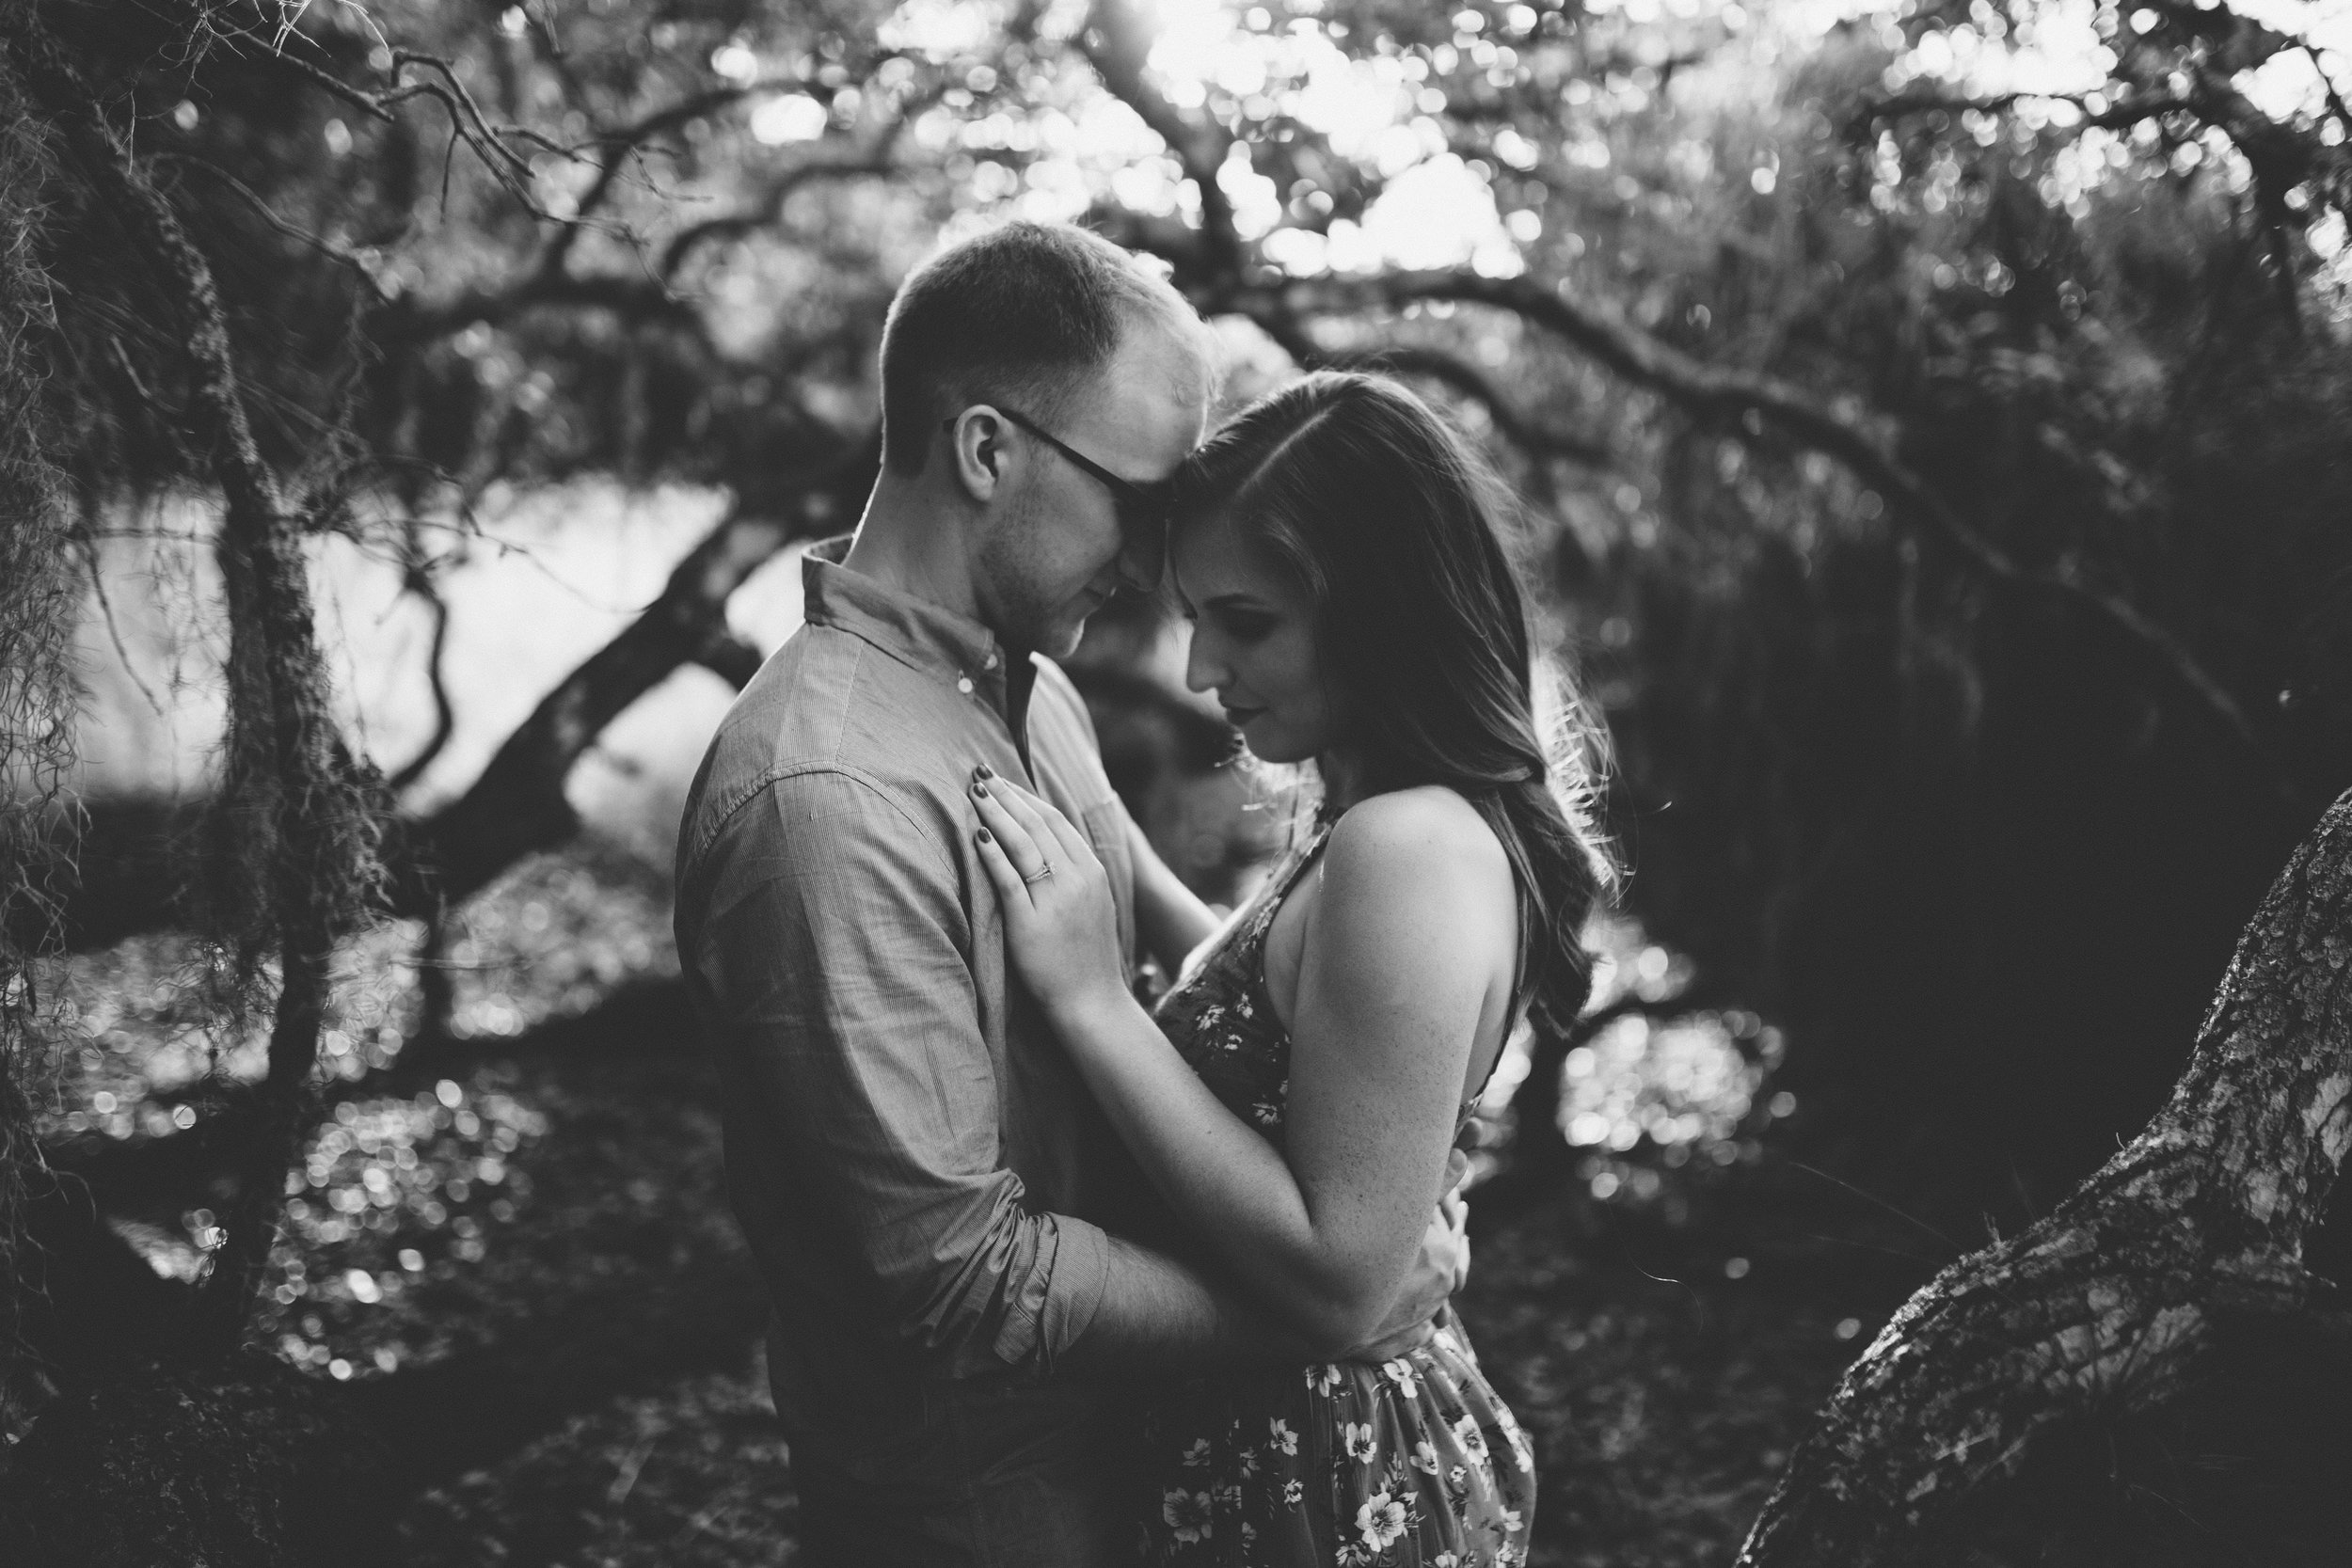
(1149, 504)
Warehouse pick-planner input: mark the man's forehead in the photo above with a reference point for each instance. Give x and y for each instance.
(1189, 362)
(1155, 388)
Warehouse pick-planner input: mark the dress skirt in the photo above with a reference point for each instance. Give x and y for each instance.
(1412, 1462)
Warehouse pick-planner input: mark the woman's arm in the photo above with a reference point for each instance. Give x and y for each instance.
(1399, 964)
(1171, 919)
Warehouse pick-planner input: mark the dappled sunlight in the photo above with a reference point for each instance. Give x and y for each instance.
(1437, 210)
(392, 1193)
(1681, 1084)
(1199, 41)
(139, 1038)
(1432, 206)
(2058, 56)
(1659, 1090)
(1908, 418)
(553, 937)
(941, 28)
(1437, 213)
(1392, 116)
(138, 1046)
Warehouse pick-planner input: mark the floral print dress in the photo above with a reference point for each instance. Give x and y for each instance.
(1412, 1462)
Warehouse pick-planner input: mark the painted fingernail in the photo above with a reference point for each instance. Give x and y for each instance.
(985, 838)
(979, 789)
(986, 771)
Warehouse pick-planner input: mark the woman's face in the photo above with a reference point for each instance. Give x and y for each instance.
(1252, 642)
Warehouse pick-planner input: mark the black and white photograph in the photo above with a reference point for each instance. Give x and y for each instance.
(1194, 784)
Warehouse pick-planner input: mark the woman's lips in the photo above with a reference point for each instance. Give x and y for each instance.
(1237, 717)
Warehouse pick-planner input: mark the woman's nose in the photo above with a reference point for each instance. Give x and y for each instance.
(1202, 669)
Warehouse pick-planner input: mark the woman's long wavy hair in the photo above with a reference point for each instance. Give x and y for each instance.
(1387, 521)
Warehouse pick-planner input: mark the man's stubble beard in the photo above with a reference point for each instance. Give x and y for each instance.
(1025, 621)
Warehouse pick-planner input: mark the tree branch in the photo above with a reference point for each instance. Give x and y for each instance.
(1117, 42)
(2112, 117)
(616, 146)
(467, 123)
(732, 658)
(507, 166)
(518, 804)
(2114, 1304)
(2221, 46)
(1534, 440)
(252, 198)
(1746, 400)
(769, 207)
(326, 81)
(417, 577)
(634, 299)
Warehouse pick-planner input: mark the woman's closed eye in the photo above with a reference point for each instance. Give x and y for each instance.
(1244, 625)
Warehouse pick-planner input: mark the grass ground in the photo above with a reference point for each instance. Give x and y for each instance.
(1663, 1380)
(1660, 1411)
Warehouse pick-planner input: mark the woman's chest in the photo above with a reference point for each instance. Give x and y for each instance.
(1224, 1024)
(1230, 1018)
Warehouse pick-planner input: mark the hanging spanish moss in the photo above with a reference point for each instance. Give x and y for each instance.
(289, 860)
(39, 603)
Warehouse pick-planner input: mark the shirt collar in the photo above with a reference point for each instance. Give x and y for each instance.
(921, 635)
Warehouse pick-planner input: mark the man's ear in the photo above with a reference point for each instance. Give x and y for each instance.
(977, 452)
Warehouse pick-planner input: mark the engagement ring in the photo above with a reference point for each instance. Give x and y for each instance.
(1039, 874)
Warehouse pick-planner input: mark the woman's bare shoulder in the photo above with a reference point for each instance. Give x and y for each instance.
(1426, 856)
(1413, 832)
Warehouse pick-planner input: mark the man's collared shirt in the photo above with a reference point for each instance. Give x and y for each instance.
(920, 1170)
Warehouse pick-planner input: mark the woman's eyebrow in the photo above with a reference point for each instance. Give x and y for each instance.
(1238, 599)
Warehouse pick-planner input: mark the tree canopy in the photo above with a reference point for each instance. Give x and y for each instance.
(1926, 419)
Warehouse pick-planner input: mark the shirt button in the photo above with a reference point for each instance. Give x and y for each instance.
(963, 684)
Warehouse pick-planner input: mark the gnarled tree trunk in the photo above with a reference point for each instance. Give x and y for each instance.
(2186, 1247)
(295, 825)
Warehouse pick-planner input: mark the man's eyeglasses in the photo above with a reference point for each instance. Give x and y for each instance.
(1140, 505)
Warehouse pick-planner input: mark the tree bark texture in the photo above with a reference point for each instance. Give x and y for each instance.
(2182, 1250)
(295, 833)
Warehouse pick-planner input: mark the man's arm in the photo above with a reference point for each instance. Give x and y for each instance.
(1159, 1315)
(1171, 919)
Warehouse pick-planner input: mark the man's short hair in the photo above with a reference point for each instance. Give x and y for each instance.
(1021, 312)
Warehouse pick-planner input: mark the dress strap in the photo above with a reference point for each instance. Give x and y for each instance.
(1307, 853)
(1292, 870)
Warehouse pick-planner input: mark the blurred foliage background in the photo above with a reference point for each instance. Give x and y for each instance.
(1930, 419)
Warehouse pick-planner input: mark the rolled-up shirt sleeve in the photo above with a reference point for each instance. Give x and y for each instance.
(834, 953)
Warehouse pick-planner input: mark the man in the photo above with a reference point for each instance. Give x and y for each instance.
(958, 1251)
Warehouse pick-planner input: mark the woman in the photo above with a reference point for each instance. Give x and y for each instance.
(1298, 1096)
